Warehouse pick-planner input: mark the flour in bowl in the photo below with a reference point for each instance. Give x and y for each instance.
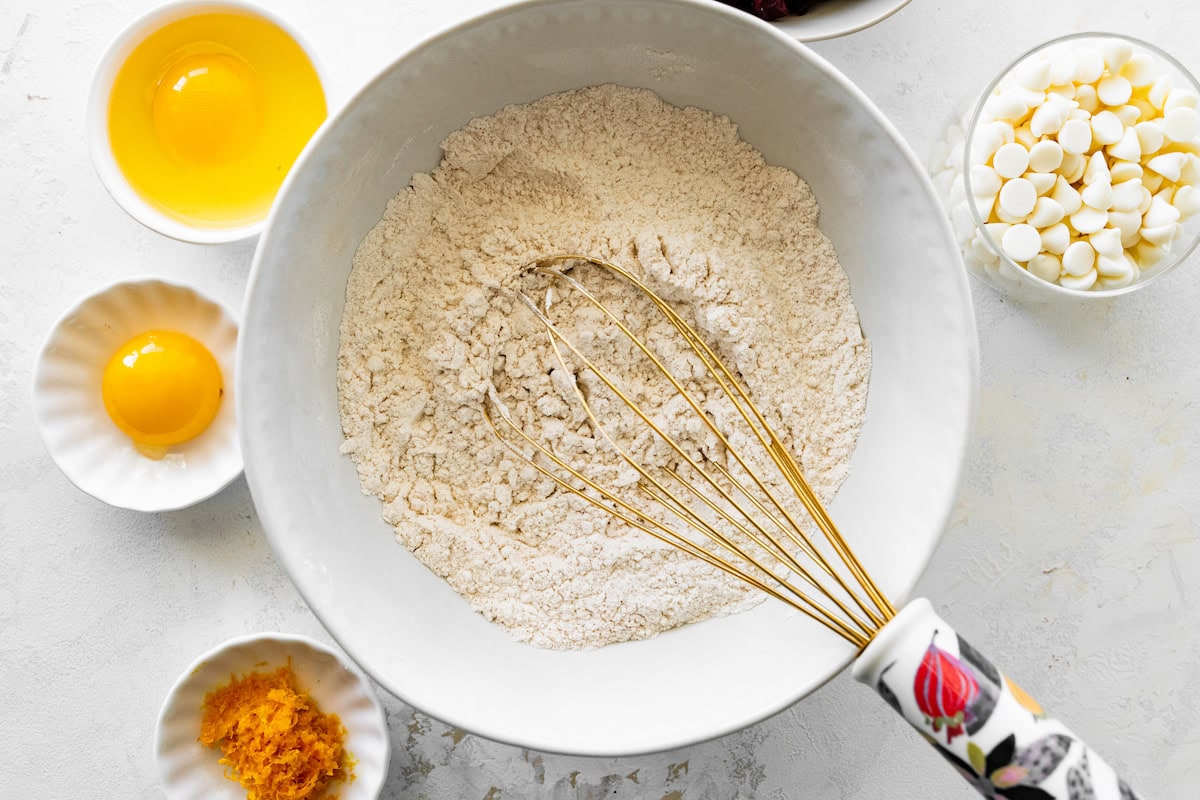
(670, 193)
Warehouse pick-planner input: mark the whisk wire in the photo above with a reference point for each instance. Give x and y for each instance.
(876, 608)
(633, 517)
(751, 415)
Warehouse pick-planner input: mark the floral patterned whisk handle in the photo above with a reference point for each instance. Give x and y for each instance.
(980, 721)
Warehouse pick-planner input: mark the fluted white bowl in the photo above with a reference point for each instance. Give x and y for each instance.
(190, 771)
(69, 410)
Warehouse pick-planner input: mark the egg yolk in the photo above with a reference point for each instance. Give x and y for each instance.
(162, 388)
(208, 108)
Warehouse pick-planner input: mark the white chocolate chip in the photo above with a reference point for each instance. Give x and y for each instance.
(958, 191)
(1187, 200)
(1056, 238)
(1075, 136)
(1160, 213)
(1114, 90)
(984, 205)
(1043, 182)
(1128, 223)
(1119, 282)
(1116, 266)
(960, 218)
(1125, 171)
(1004, 216)
(1046, 212)
(1126, 195)
(1011, 160)
(1169, 165)
(1033, 73)
(1098, 195)
(1140, 70)
(1063, 65)
(1107, 128)
(1047, 119)
(1116, 52)
(1045, 266)
(1079, 259)
(1190, 174)
(1081, 283)
(1018, 197)
(1024, 136)
(1128, 114)
(981, 251)
(1145, 110)
(1066, 91)
(1161, 236)
(1180, 98)
(984, 181)
(996, 231)
(1066, 196)
(1008, 106)
(1106, 242)
(1152, 181)
(1047, 156)
(1097, 169)
(1150, 137)
(1147, 254)
(1089, 65)
(987, 140)
(1021, 242)
(1085, 95)
(1088, 219)
(1128, 149)
(1180, 124)
(1159, 89)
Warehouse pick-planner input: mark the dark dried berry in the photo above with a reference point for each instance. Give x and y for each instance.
(773, 9)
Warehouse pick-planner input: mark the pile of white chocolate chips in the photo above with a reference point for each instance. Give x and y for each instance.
(1083, 165)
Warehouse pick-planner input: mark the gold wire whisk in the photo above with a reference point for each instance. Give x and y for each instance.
(724, 514)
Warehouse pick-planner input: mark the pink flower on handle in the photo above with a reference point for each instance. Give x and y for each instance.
(945, 690)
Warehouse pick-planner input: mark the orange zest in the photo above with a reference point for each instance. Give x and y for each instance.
(273, 738)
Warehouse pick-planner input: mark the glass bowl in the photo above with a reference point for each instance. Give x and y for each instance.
(963, 165)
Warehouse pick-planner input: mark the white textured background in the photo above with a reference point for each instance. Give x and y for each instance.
(1073, 559)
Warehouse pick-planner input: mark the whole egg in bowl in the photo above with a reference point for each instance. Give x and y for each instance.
(197, 111)
(405, 625)
(133, 395)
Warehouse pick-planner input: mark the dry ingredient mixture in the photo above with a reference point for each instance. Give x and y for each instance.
(670, 193)
(273, 738)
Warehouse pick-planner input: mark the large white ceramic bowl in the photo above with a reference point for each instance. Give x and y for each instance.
(404, 625)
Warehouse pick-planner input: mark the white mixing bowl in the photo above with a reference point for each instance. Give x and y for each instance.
(403, 624)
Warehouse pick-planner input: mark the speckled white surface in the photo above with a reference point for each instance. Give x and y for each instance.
(1073, 561)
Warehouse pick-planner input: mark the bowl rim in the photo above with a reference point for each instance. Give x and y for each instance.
(361, 680)
(37, 402)
(95, 124)
(267, 511)
(1046, 288)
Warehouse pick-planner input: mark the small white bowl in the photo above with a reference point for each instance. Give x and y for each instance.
(834, 18)
(190, 771)
(77, 430)
(96, 119)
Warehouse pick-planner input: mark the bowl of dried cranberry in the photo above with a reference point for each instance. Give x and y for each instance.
(812, 20)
